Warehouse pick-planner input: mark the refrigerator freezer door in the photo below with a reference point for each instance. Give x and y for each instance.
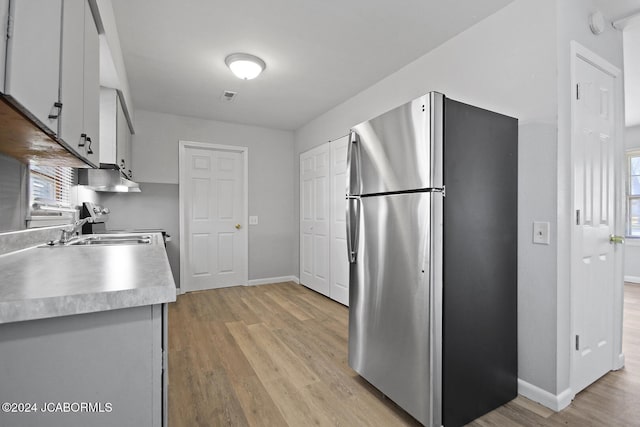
(395, 296)
(399, 150)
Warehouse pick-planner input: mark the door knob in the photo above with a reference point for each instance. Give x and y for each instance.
(613, 239)
(238, 226)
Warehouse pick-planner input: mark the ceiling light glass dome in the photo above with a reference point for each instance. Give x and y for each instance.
(245, 66)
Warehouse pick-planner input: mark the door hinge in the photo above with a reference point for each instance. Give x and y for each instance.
(578, 217)
(577, 342)
(578, 91)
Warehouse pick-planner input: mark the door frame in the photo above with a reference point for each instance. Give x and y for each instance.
(580, 53)
(182, 150)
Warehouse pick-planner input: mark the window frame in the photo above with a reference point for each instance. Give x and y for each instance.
(634, 153)
(57, 210)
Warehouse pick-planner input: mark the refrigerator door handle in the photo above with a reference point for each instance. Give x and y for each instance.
(353, 225)
(353, 164)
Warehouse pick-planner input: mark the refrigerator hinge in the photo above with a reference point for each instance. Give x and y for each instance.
(577, 342)
(442, 190)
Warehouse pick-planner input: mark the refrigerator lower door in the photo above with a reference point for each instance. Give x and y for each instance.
(395, 329)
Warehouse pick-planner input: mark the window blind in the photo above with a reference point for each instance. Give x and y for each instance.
(50, 186)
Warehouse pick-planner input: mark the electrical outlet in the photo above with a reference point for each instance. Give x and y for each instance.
(541, 233)
(253, 220)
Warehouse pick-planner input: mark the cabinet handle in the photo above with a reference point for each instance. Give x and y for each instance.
(89, 150)
(56, 106)
(83, 140)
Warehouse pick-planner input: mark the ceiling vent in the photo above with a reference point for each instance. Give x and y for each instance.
(228, 96)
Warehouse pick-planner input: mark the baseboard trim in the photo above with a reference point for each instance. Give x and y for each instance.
(620, 362)
(543, 397)
(632, 279)
(269, 280)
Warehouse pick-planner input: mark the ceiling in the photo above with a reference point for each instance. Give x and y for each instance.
(319, 53)
(616, 11)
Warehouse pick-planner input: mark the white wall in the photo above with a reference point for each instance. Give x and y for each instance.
(632, 138)
(632, 248)
(13, 194)
(155, 207)
(271, 179)
(506, 63)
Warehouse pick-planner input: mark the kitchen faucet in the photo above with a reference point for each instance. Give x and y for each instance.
(69, 231)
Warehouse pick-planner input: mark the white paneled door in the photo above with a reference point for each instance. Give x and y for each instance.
(315, 211)
(339, 289)
(213, 213)
(594, 263)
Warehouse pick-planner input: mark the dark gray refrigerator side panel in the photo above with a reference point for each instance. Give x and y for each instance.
(480, 262)
(395, 307)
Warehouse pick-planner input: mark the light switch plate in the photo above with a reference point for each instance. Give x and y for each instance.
(253, 220)
(541, 233)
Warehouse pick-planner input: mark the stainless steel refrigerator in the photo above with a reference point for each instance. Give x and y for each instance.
(431, 236)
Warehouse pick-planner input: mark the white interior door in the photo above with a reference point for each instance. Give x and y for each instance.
(339, 290)
(594, 264)
(315, 210)
(213, 204)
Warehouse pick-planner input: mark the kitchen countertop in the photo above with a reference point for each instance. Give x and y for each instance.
(51, 281)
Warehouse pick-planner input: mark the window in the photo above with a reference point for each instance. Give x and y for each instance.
(50, 195)
(633, 194)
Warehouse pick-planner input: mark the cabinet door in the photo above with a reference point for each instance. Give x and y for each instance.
(123, 140)
(72, 68)
(33, 58)
(91, 84)
(4, 19)
(108, 137)
(315, 206)
(339, 261)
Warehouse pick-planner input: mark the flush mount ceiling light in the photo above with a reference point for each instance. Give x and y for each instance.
(245, 66)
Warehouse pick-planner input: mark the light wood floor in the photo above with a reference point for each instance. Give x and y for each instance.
(276, 355)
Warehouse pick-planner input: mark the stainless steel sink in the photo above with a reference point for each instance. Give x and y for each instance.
(134, 241)
(112, 240)
(106, 240)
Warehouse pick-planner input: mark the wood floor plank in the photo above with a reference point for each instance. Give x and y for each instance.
(292, 366)
(294, 405)
(276, 355)
(257, 405)
(266, 369)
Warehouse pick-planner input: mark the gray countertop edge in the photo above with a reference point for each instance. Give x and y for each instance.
(67, 305)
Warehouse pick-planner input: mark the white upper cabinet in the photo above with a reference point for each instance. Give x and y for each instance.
(50, 73)
(123, 144)
(79, 84)
(33, 59)
(4, 20)
(91, 84)
(115, 134)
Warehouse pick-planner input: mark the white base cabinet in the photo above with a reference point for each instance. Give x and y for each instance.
(111, 360)
(323, 251)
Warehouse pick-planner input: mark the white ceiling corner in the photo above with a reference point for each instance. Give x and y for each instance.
(318, 53)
